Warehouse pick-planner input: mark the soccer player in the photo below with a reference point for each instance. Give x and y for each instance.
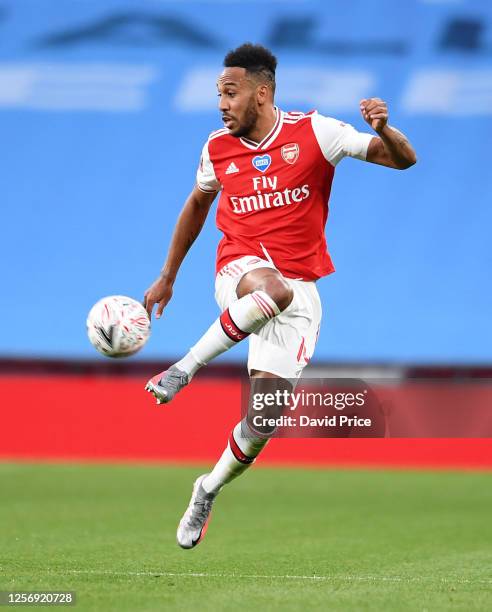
(274, 171)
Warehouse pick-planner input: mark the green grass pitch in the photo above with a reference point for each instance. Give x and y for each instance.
(279, 539)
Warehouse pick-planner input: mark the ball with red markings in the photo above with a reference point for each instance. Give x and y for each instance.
(118, 326)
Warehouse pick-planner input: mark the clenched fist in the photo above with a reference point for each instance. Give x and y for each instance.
(375, 112)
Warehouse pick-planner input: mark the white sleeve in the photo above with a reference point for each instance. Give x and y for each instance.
(338, 140)
(205, 175)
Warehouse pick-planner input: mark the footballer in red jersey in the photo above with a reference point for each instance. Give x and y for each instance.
(273, 170)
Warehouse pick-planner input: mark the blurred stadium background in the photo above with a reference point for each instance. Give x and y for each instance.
(104, 108)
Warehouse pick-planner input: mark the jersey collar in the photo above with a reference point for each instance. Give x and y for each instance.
(270, 137)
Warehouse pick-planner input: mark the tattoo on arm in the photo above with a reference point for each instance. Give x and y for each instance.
(401, 139)
(398, 148)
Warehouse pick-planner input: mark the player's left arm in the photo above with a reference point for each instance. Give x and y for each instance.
(390, 148)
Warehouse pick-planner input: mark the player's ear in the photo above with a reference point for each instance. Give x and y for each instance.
(262, 92)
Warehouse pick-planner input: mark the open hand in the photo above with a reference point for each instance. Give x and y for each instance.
(160, 292)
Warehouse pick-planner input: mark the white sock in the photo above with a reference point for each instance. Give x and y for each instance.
(188, 364)
(242, 318)
(239, 455)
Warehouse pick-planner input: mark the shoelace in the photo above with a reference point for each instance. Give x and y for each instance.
(174, 379)
(200, 512)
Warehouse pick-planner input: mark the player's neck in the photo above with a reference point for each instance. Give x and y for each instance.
(264, 125)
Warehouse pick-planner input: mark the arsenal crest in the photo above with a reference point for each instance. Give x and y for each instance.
(290, 152)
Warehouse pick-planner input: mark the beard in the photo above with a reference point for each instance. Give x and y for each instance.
(249, 121)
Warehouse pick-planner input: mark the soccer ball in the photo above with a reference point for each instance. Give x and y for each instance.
(118, 326)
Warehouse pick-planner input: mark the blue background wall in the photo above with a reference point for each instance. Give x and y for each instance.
(104, 107)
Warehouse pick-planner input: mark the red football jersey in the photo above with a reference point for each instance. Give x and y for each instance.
(274, 194)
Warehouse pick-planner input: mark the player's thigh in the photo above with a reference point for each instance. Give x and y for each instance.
(285, 345)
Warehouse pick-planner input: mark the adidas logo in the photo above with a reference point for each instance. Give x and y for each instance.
(232, 168)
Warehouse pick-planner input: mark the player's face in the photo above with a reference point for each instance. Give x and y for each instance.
(237, 101)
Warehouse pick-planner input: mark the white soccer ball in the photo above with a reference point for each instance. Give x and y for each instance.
(118, 326)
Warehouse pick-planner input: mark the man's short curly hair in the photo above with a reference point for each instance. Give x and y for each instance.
(256, 60)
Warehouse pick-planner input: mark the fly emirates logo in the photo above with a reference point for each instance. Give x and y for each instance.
(268, 199)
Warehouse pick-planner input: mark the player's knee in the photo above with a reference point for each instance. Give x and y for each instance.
(278, 289)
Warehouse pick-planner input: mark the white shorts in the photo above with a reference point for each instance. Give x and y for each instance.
(285, 344)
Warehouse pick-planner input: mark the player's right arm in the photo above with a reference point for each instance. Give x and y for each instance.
(188, 226)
